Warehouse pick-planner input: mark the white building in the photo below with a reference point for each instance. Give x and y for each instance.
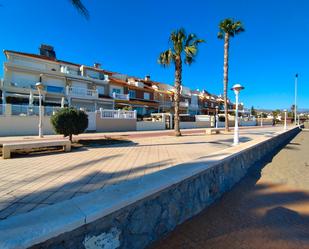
(79, 85)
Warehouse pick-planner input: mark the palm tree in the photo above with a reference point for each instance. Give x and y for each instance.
(182, 46)
(80, 7)
(228, 28)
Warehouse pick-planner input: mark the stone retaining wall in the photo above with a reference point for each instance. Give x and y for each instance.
(140, 223)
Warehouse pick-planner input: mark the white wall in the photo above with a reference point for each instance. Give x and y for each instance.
(149, 125)
(247, 123)
(187, 125)
(23, 125)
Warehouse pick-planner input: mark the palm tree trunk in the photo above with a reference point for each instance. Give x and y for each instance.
(225, 78)
(178, 71)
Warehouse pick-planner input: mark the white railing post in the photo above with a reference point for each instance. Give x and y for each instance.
(119, 112)
(135, 114)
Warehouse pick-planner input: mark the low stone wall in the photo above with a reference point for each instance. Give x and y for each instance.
(190, 189)
(24, 125)
(149, 126)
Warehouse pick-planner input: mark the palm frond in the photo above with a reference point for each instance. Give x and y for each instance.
(81, 8)
(166, 58)
(220, 35)
(177, 38)
(231, 27)
(189, 60)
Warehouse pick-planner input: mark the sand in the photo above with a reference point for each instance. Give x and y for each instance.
(269, 208)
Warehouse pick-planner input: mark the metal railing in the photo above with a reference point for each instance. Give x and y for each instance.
(120, 96)
(50, 110)
(166, 103)
(26, 110)
(117, 114)
(184, 104)
(82, 92)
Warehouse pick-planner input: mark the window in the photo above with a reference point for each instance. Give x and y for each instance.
(116, 90)
(147, 96)
(100, 90)
(55, 89)
(132, 94)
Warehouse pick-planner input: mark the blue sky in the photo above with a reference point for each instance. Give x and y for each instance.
(127, 36)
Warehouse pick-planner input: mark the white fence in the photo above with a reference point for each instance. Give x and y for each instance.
(117, 114)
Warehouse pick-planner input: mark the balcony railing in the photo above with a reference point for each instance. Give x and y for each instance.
(184, 104)
(82, 92)
(117, 114)
(120, 96)
(26, 110)
(166, 103)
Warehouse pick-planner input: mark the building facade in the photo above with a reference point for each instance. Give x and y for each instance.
(91, 88)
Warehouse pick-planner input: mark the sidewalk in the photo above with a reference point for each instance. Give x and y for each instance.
(36, 181)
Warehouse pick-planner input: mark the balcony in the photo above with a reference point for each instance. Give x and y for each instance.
(120, 96)
(166, 104)
(82, 92)
(184, 104)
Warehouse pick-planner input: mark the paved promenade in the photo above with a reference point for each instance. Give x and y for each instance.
(36, 181)
(268, 209)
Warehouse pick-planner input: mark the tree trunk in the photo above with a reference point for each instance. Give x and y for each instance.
(225, 78)
(71, 137)
(178, 71)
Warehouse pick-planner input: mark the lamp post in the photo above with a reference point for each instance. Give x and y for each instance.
(295, 104)
(217, 116)
(236, 88)
(39, 86)
(285, 114)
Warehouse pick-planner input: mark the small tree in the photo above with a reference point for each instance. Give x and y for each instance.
(69, 121)
(253, 111)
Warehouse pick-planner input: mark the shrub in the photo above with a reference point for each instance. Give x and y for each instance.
(221, 119)
(69, 121)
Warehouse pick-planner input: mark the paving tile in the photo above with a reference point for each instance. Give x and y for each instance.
(37, 181)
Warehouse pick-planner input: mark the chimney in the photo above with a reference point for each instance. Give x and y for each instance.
(97, 65)
(48, 51)
(147, 78)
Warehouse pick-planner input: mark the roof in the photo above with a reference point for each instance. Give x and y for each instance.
(39, 57)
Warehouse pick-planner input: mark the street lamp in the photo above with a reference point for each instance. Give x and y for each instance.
(295, 104)
(39, 86)
(217, 107)
(285, 114)
(236, 88)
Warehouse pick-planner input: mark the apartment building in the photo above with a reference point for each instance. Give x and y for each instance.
(77, 85)
(133, 93)
(92, 88)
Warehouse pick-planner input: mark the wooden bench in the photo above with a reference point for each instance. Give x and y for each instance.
(7, 148)
(210, 131)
